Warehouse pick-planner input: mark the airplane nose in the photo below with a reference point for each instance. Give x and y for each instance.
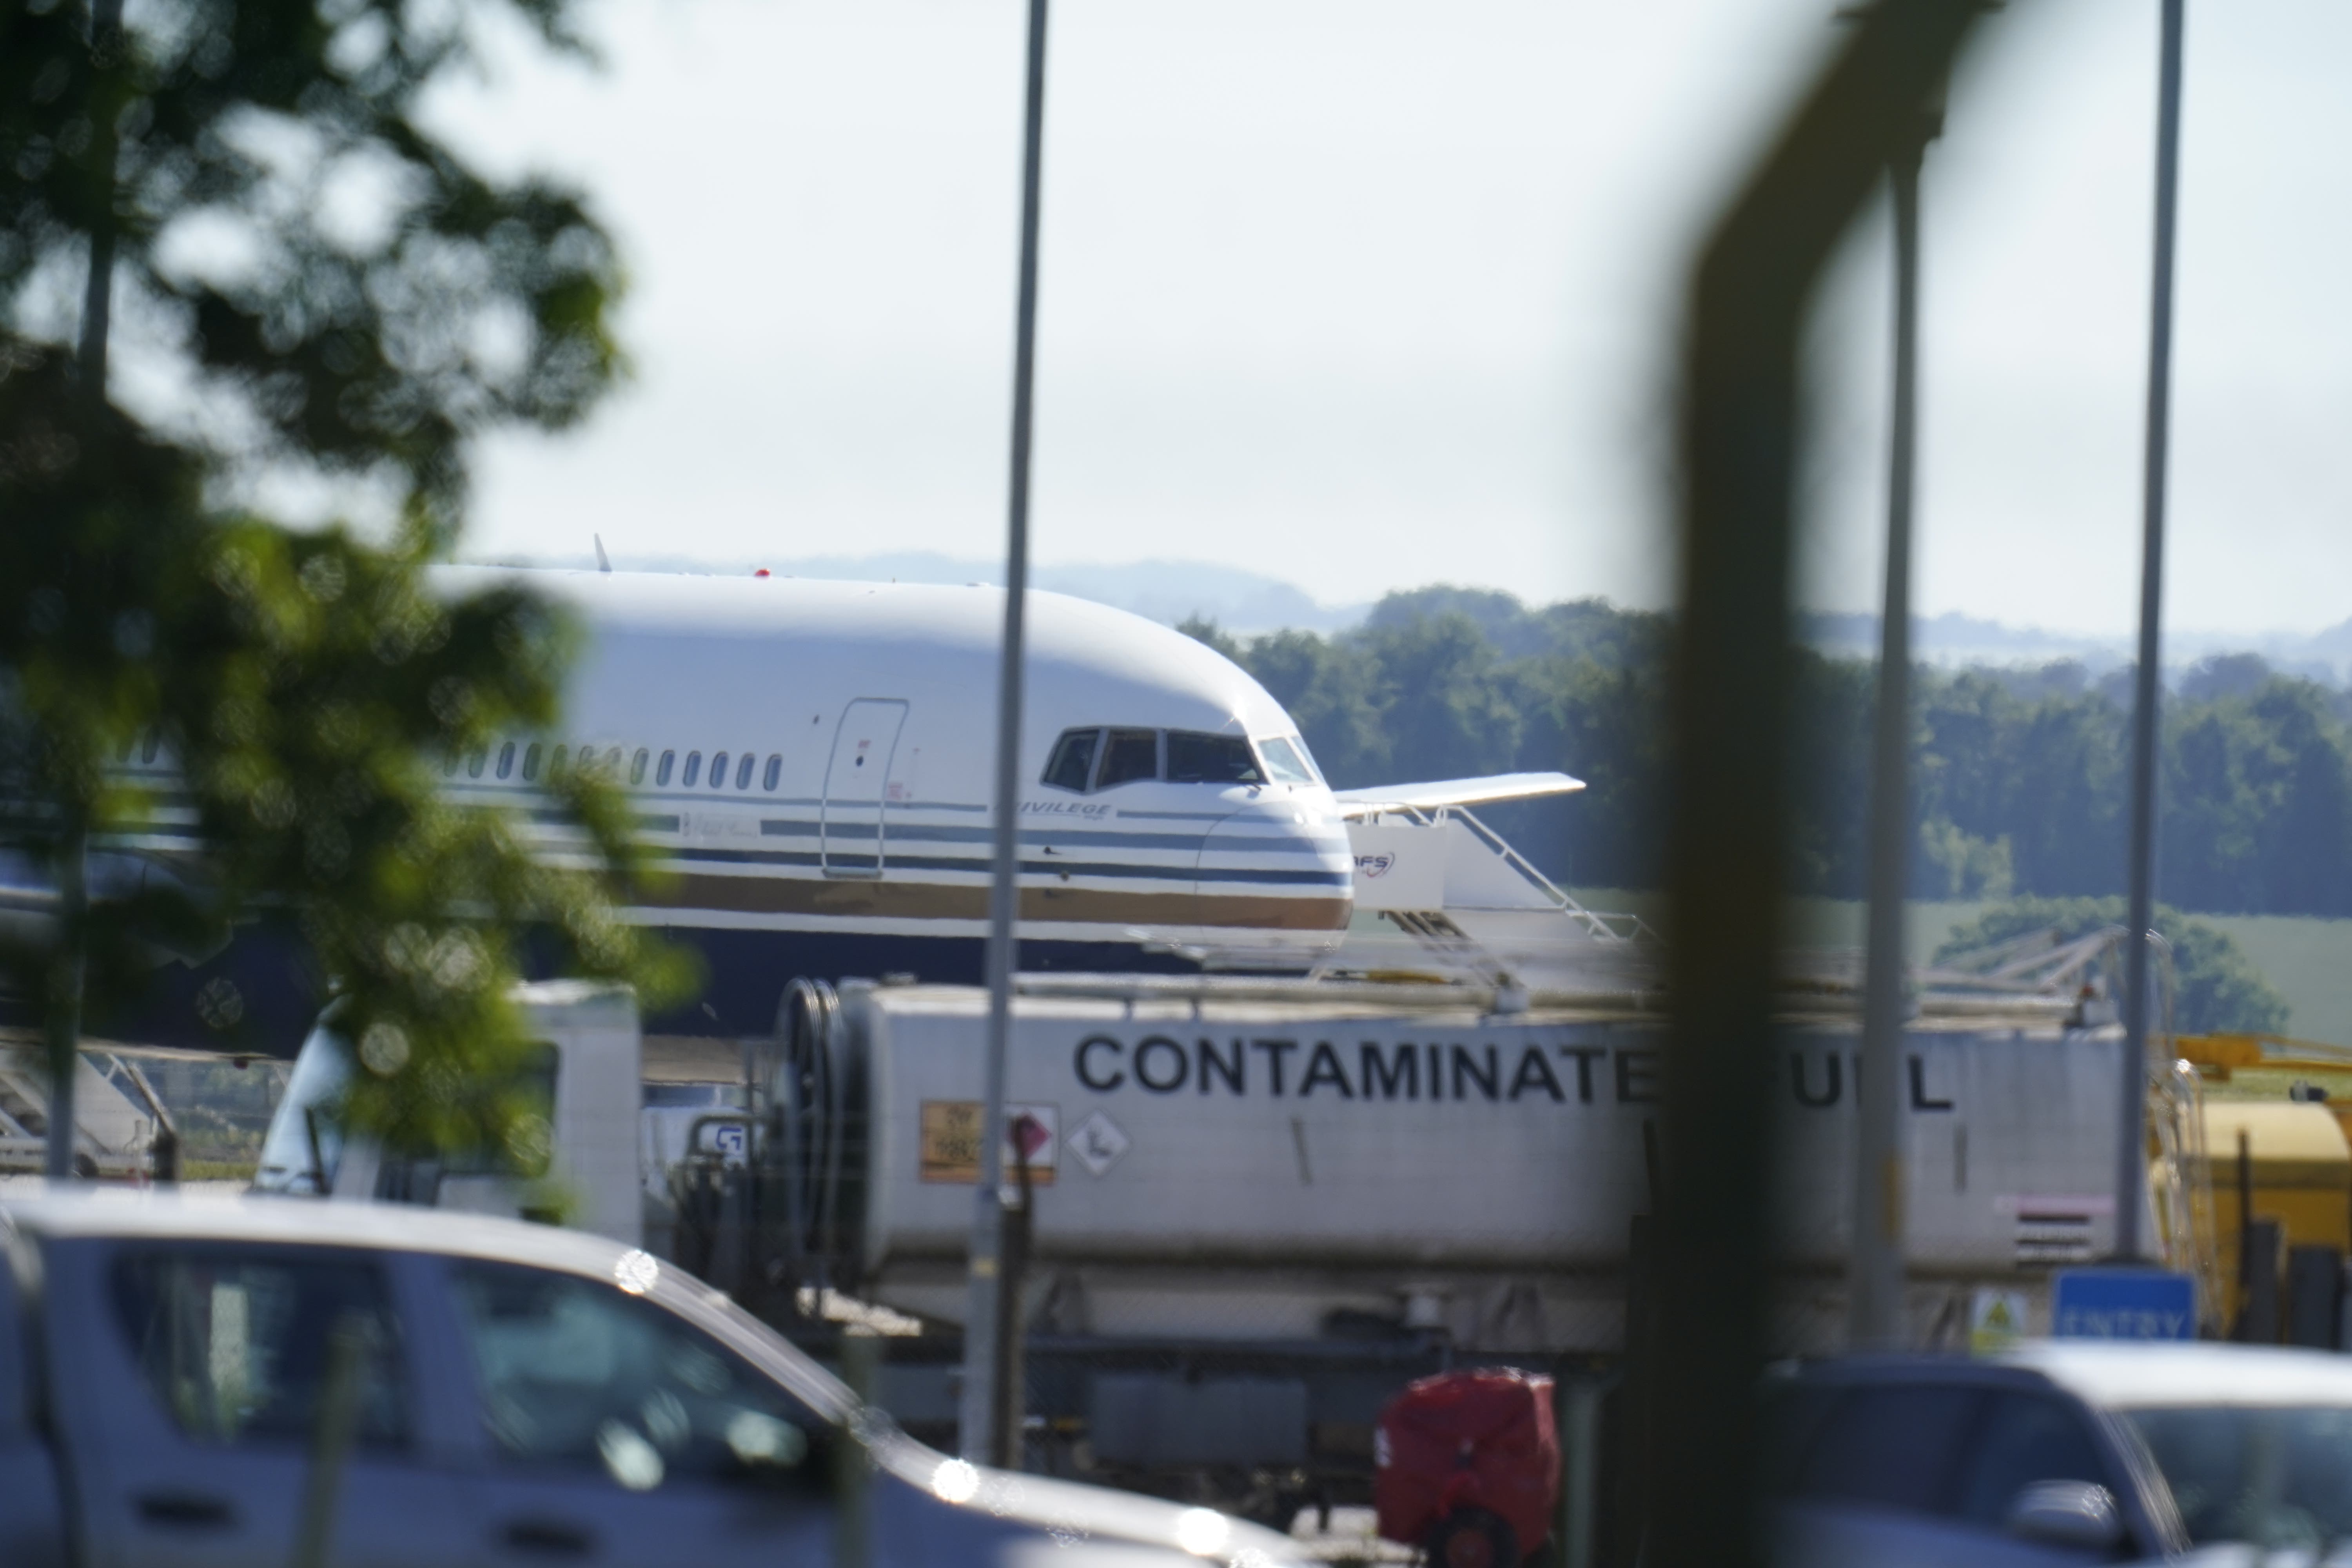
(1281, 864)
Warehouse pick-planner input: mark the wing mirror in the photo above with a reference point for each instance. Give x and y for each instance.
(2076, 1514)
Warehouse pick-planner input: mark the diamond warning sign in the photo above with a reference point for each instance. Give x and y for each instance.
(1098, 1143)
(951, 1133)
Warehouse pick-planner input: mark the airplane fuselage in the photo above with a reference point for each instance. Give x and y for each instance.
(811, 764)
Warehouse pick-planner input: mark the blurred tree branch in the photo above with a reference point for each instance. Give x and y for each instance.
(307, 287)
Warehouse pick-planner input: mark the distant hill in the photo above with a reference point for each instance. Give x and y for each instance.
(1954, 639)
(1247, 604)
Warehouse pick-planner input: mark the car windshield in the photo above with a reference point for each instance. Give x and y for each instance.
(2271, 1476)
(305, 1142)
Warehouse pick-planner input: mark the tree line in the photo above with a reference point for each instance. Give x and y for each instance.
(2019, 774)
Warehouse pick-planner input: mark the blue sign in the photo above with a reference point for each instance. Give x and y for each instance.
(2124, 1304)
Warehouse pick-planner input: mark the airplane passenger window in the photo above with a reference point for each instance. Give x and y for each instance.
(147, 747)
(661, 768)
(530, 762)
(555, 764)
(1128, 755)
(506, 759)
(638, 767)
(1286, 761)
(449, 766)
(775, 770)
(1196, 758)
(1072, 762)
(718, 771)
(693, 767)
(613, 763)
(743, 772)
(474, 764)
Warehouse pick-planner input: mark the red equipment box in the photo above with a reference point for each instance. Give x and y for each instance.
(1466, 1465)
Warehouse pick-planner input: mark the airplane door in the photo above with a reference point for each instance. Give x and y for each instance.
(856, 787)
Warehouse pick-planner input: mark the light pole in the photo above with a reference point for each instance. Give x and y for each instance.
(1874, 1275)
(977, 1410)
(2131, 1153)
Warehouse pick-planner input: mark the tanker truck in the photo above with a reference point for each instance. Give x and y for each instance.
(1255, 1209)
(1251, 1159)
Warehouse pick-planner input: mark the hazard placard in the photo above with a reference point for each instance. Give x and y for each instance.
(951, 1133)
(1996, 1320)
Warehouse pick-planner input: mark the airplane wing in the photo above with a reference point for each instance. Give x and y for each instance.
(1453, 791)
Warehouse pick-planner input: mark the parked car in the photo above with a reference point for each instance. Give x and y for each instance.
(511, 1394)
(2060, 1453)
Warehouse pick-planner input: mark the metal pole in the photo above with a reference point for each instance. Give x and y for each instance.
(66, 978)
(98, 294)
(1874, 1282)
(67, 967)
(1730, 733)
(2131, 1151)
(977, 1413)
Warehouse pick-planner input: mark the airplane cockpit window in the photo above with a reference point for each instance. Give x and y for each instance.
(775, 770)
(638, 767)
(661, 768)
(718, 771)
(1128, 755)
(743, 772)
(1072, 762)
(1088, 760)
(693, 768)
(1286, 761)
(1196, 758)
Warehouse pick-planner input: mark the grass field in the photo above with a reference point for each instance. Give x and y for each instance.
(2308, 961)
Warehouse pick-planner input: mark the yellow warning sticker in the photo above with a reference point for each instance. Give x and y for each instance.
(952, 1135)
(1996, 1320)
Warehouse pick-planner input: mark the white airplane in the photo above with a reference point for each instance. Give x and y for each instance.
(811, 761)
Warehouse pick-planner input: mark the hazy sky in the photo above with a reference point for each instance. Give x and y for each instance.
(1367, 294)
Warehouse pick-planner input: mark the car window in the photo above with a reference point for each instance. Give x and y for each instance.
(2275, 1477)
(1890, 1447)
(236, 1344)
(1196, 758)
(2024, 1438)
(576, 1373)
(1129, 756)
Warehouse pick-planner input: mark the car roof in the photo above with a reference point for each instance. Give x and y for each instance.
(96, 1210)
(2120, 1375)
(2114, 1374)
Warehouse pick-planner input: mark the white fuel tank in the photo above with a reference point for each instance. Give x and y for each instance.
(1244, 1167)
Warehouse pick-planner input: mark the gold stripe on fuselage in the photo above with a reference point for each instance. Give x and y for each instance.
(886, 898)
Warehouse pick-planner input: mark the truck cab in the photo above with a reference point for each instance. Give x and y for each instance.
(587, 1075)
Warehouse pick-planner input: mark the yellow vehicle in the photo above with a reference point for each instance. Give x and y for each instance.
(2278, 1143)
